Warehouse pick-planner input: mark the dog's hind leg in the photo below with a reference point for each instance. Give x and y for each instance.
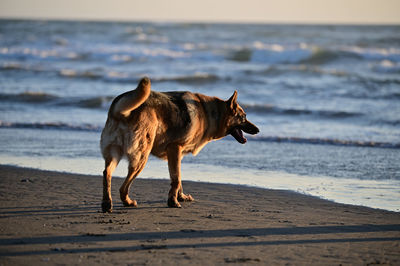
(137, 156)
(112, 159)
(136, 165)
(184, 197)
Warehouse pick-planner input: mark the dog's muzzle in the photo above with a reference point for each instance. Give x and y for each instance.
(248, 127)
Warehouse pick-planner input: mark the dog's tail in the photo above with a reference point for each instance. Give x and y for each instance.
(125, 103)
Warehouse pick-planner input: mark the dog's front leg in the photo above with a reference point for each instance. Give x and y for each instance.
(174, 154)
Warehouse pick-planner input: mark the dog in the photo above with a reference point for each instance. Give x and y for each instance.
(168, 125)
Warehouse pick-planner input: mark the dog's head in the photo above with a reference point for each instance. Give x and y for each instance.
(237, 122)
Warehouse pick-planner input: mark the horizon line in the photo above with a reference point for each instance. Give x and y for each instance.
(199, 21)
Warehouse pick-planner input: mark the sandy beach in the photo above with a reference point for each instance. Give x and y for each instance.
(51, 218)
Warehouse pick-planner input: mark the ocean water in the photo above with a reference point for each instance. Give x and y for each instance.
(326, 99)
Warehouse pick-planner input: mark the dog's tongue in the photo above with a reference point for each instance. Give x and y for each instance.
(238, 135)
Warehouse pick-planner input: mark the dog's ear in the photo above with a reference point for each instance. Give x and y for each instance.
(232, 102)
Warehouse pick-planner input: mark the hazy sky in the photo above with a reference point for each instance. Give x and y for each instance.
(278, 11)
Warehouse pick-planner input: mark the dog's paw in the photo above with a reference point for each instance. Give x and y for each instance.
(106, 206)
(130, 203)
(183, 197)
(173, 203)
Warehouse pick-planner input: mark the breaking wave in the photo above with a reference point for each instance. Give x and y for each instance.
(275, 139)
(87, 74)
(107, 75)
(101, 102)
(276, 70)
(124, 77)
(110, 53)
(195, 79)
(387, 67)
(271, 109)
(272, 54)
(29, 97)
(51, 126)
(320, 56)
(325, 141)
(308, 54)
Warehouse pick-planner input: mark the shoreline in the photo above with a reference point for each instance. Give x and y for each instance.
(353, 191)
(51, 217)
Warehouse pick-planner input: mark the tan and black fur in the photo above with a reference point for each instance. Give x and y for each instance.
(167, 125)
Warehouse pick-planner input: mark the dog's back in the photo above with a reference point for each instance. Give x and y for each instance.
(181, 118)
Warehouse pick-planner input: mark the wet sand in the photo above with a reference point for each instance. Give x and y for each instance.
(51, 218)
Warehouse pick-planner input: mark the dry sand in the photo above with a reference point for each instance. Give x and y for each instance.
(50, 218)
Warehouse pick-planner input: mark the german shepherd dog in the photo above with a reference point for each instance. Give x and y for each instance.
(167, 125)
